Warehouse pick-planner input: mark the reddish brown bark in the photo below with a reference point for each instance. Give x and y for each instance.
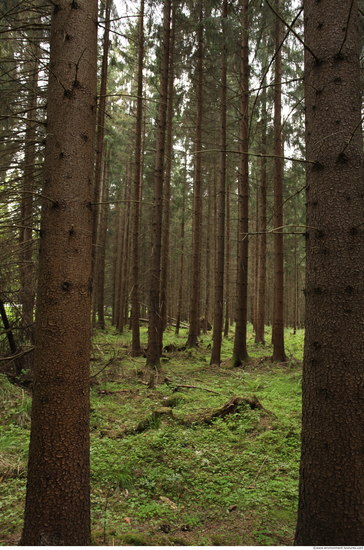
(331, 500)
(57, 510)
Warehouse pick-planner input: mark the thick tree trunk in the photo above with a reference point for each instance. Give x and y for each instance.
(331, 501)
(278, 305)
(220, 224)
(240, 352)
(57, 510)
(193, 333)
(135, 300)
(155, 325)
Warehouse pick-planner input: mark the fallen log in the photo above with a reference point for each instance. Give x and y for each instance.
(235, 404)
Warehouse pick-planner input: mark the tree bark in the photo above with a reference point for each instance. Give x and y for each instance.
(57, 510)
(221, 195)
(182, 256)
(100, 133)
(27, 284)
(193, 333)
(278, 304)
(167, 182)
(331, 499)
(262, 227)
(240, 352)
(135, 303)
(155, 325)
(104, 217)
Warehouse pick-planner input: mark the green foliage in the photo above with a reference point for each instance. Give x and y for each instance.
(231, 482)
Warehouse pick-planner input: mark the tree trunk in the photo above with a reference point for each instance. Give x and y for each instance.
(182, 256)
(104, 216)
(331, 500)
(193, 333)
(135, 300)
(262, 227)
(100, 133)
(155, 325)
(57, 510)
(240, 352)
(167, 183)
(227, 265)
(220, 224)
(278, 305)
(27, 285)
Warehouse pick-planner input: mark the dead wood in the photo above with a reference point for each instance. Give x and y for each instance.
(235, 404)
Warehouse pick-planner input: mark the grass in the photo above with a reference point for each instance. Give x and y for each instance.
(231, 482)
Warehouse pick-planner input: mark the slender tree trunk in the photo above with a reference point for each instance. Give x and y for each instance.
(278, 305)
(167, 184)
(262, 227)
(192, 340)
(182, 256)
(227, 266)
(331, 500)
(57, 510)
(240, 352)
(155, 325)
(124, 266)
(220, 224)
(100, 133)
(135, 303)
(104, 216)
(27, 285)
(118, 244)
(208, 262)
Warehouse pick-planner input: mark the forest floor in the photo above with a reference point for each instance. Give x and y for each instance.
(164, 470)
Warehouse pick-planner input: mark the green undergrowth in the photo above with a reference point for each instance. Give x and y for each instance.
(160, 480)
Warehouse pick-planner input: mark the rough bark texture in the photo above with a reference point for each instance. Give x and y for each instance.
(193, 333)
(331, 502)
(220, 222)
(278, 303)
(135, 303)
(57, 508)
(240, 352)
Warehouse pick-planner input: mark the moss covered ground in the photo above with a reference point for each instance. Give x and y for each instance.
(171, 478)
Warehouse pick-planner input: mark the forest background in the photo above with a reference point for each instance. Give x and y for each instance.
(197, 229)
